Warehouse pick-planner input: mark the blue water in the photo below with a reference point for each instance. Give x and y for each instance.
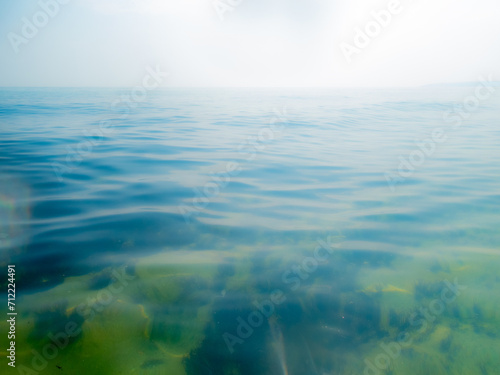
(281, 209)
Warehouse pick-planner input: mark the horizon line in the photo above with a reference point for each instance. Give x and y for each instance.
(460, 83)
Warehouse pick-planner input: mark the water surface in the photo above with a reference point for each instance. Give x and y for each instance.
(251, 231)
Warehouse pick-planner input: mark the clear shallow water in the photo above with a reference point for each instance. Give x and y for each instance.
(171, 245)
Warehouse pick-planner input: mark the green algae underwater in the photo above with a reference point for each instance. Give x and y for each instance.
(320, 307)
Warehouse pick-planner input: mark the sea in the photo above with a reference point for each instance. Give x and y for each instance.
(226, 231)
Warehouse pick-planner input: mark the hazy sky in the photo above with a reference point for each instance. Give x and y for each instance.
(257, 43)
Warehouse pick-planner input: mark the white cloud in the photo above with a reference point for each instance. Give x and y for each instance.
(263, 43)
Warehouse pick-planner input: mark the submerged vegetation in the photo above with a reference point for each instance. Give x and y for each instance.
(202, 312)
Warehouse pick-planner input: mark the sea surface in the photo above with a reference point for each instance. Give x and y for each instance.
(242, 232)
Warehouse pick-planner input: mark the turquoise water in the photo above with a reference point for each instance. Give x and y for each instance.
(252, 231)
